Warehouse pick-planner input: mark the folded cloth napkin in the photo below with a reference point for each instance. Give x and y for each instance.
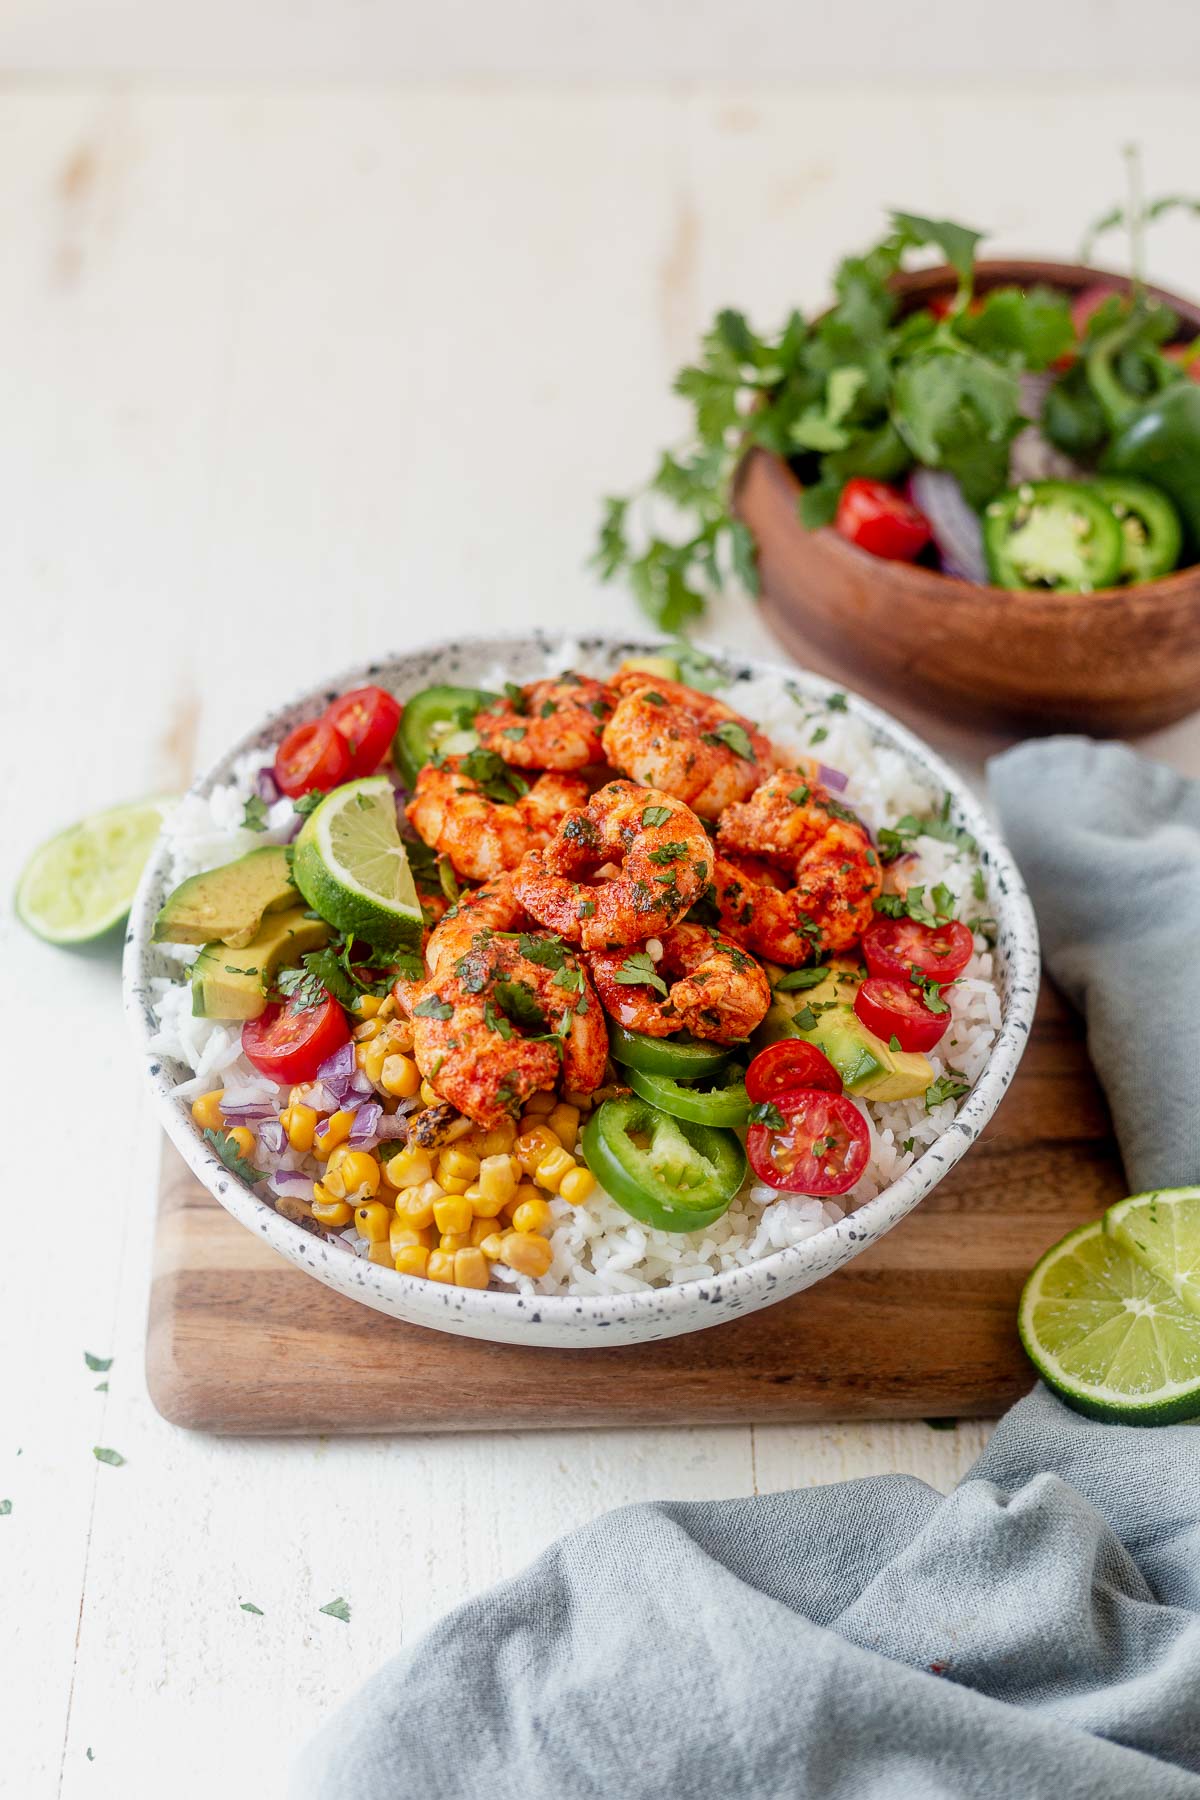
(1034, 1633)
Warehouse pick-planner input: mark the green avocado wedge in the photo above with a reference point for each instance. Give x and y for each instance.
(228, 903)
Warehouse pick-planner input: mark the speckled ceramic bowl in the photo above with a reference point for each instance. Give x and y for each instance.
(625, 1318)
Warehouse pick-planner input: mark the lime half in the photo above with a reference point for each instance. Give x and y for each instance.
(1161, 1230)
(81, 883)
(1108, 1335)
(352, 867)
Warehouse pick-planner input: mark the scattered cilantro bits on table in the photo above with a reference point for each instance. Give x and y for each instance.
(337, 1609)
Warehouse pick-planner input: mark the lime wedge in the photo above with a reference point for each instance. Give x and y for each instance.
(81, 883)
(1110, 1337)
(1161, 1230)
(352, 867)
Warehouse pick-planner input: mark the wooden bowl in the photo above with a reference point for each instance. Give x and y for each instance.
(1118, 661)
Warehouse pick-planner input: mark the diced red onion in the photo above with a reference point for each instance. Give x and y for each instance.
(957, 533)
(832, 778)
(340, 1063)
(1032, 457)
(393, 1126)
(365, 1128)
(267, 786)
(247, 1112)
(291, 1181)
(271, 1137)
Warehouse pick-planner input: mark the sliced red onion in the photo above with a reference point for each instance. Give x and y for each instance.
(267, 786)
(1032, 457)
(365, 1128)
(291, 1181)
(957, 532)
(271, 1137)
(832, 778)
(248, 1111)
(340, 1063)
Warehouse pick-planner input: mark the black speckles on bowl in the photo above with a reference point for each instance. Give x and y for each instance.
(571, 1321)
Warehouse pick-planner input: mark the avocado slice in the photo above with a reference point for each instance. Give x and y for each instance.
(867, 1066)
(228, 904)
(664, 667)
(232, 983)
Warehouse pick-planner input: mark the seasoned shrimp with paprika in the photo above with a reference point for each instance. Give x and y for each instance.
(691, 979)
(796, 872)
(661, 863)
(685, 743)
(554, 724)
(484, 816)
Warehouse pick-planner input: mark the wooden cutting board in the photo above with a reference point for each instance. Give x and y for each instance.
(920, 1326)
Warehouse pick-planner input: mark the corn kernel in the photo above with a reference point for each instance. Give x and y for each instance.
(456, 1163)
(551, 1170)
(541, 1102)
(373, 1221)
(481, 1230)
(532, 1215)
(371, 1057)
(564, 1123)
(368, 1006)
(535, 1144)
(415, 1205)
(329, 1210)
(370, 1028)
(453, 1212)
(413, 1260)
(354, 1172)
(334, 1131)
(470, 1269)
(527, 1253)
(454, 1240)
(576, 1185)
(400, 1076)
(206, 1110)
(526, 1191)
(300, 1122)
(484, 1206)
(498, 1177)
(299, 1211)
(493, 1245)
(430, 1095)
(409, 1168)
(402, 1237)
(381, 1253)
(440, 1266)
(498, 1140)
(243, 1137)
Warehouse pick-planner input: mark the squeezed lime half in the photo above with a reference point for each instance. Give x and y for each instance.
(80, 884)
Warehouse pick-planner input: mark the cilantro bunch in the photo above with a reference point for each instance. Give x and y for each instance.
(858, 391)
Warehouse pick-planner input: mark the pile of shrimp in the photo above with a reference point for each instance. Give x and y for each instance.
(643, 807)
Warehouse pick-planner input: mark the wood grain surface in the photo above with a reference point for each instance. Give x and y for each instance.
(920, 1325)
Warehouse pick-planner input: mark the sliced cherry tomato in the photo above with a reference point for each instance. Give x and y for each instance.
(942, 305)
(895, 1008)
(789, 1064)
(367, 718)
(822, 1148)
(312, 756)
(289, 1043)
(878, 519)
(896, 947)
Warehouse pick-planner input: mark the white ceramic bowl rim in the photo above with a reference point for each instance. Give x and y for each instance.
(733, 1288)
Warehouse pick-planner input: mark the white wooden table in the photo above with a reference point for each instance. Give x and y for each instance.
(287, 380)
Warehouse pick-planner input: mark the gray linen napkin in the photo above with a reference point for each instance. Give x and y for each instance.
(1036, 1633)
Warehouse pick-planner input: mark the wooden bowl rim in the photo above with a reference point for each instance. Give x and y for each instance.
(1179, 584)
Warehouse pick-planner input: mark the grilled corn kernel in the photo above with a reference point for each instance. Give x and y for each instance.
(493, 1245)
(352, 1174)
(453, 1212)
(299, 1211)
(533, 1145)
(498, 1177)
(412, 1260)
(334, 1131)
(541, 1102)
(576, 1185)
(551, 1170)
(409, 1168)
(206, 1110)
(564, 1123)
(456, 1163)
(373, 1221)
(400, 1076)
(470, 1269)
(300, 1122)
(430, 1095)
(381, 1253)
(243, 1137)
(370, 1028)
(440, 1266)
(532, 1215)
(527, 1253)
(415, 1205)
(454, 1240)
(329, 1210)
(367, 1006)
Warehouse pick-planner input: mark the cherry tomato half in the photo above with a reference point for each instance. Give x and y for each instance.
(878, 519)
(367, 718)
(822, 1149)
(289, 1044)
(791, 1063)
(897, 1009)
(895, 947)
(312, 756)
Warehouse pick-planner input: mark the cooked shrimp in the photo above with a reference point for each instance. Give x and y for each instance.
(483, 836)
(665, 859)
(500, 1014)
(796, 872)
(684, 743)
(549, 724)
(716, 991)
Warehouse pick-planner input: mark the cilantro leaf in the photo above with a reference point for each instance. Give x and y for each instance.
(254, 814)
(308, 803)
(956, 242)
(493, 776)
(337, 1609)
(797, 979)
(99, 1365)
(226, 1148)
(654, 815)
(518, 1000)
(113, 1458)
(765, 1112)
(950, 1086)
(958, 410)
(546, 952)
(433, 1008)
(249, 1606)
(638, 971)
(734, 737)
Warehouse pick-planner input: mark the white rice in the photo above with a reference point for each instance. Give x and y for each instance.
(598, 1248)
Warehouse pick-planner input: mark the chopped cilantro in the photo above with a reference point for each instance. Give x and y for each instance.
(668, 853)
(254, 814)
(908, 1145)
(113, 1458)
(226, 1148)
(801, 978)
(979, 885)
(516, 697)
(654, 815)
(733, 736)
(518, 1000)
(766, 1113)
(836, 703)
(805, 1019)
(547, 709)
(546, 952)
(893, 1042)
(432, 1008)
(337, 1609)
(949, 1086)
(638, 971)
(515, 732)
(819, 735)
(308, 803)
(249, 1606)
(585, 909)
(99, 1365)
(800, 796)
(493, 776)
